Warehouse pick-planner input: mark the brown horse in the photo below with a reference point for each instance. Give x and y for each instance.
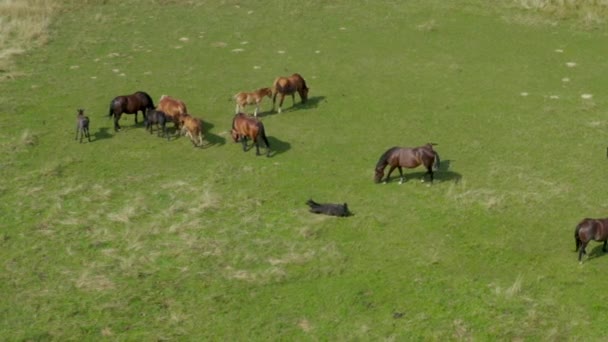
(193, 128)
(173, 109)
(398, 157)
(245, 126)
(587, 230)
(130, 104)
(242, 99)
(288, 86)
(82, 125)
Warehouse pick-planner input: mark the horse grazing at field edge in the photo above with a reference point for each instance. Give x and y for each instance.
(398, 157)
(82, 125)
(130, 104)
(173, 108)
(289, 86)
(242, 99)
(193, 128)
(245, 126)
(590, 229)
(158, 118)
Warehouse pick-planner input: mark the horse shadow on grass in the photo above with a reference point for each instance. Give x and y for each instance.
(277, 146)
(210, 138)
(312, 102)
(102, 133)
(443, 174)
(596, 252)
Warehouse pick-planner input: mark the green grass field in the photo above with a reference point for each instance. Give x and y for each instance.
(130, 237)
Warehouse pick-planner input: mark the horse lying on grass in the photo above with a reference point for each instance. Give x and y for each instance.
(328, 208)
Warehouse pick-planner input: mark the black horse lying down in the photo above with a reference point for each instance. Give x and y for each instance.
(328, 208)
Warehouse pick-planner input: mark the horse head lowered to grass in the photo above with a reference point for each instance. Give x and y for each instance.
(409, 157)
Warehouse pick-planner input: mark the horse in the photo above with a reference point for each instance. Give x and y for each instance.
(328, 208)
(242, 99)
(193, 128)
(158, 118)
(590, 229)
(82, 125)
(173, 108)
(398, 157)
(288, 86)
(130, 104)
(245, 126)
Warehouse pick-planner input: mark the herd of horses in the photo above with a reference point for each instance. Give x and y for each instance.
(249, 127)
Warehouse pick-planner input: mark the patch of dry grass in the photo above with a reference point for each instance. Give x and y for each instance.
(589, 14)
(23, 25)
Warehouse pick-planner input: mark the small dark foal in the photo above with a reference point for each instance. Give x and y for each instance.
(158, 118)
(328, 208)
(82, 125)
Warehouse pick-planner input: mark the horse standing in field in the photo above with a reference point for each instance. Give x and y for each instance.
(193, 128)
(242, 99)
(173, 109)
(82, 125)
(398, 157)
(245, 126)
(158, 118)
(130, 104)
(289, 86)
(590, 229)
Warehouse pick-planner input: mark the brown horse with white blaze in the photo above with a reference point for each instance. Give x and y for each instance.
(255, 97)
(289, 86)
(410, 157)
(245, 126)
(590, 229)
(173, 109)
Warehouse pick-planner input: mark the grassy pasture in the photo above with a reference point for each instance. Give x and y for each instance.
(131, 237)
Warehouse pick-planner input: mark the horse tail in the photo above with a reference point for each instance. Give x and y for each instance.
(437, 162)
(111, 111)
(577, 239)
(263, 134)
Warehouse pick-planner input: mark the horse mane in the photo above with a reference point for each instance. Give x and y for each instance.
(382, 161)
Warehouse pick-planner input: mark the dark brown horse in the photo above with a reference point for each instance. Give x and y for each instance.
(82, 125)
(398, 157)
(289, 86)
(245, 126)
(587, 230)
(130, 104)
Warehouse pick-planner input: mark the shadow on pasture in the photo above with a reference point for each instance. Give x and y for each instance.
(313, 102)
(278, 146)
(102, 133)
(210, 138)
(596, 252)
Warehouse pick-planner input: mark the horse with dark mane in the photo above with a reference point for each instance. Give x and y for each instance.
(328, 208)
(243, 98)
(130, 104)
(289, 86)
(245, 126)
(590, 229)
(410, 157)
(158, 118)
(82, 125)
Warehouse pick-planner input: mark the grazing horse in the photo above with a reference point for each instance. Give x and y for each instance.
(193, 128)
(173, 108)
(328, 208)
(288, 86)
(82, 125)
(245, 126)
(156, 117)
(130, 104)
(398, 157)
(242, 99)
(587, 230)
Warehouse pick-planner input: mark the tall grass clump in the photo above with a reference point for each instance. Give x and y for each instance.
(587, 13)
(23, 25)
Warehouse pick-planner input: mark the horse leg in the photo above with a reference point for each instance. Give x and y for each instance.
(388, 176)
(237, 109)
(88, 134)
(293, 99)
(281, 102)
(257, 108)
(604, 246)
(257, 147)
(429, 171)
(244, 142)
(401, 175)
(116, 125)
(582, 251)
